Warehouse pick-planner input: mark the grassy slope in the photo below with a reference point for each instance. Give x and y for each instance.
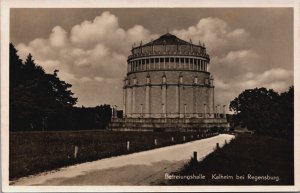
(257, 155)
(35, 152)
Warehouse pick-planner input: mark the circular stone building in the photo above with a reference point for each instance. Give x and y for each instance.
(168, 84)
(168, 77)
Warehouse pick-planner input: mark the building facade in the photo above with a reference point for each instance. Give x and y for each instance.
(168, 88)
(168, 77)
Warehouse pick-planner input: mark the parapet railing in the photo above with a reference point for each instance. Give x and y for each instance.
(167, 53)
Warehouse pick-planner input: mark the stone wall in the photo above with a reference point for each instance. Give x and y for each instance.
(185, 98)
(167, 124)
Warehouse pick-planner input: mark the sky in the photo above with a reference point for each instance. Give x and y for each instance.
(248, 47)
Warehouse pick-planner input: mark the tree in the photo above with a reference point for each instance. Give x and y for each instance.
(257, 109)
(34, 93)
(265, 111)
(31, 69)
(15, 66)
(60, 90)
(287, 111)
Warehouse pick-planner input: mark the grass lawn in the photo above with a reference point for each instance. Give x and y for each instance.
(269, 157)
(35, 152)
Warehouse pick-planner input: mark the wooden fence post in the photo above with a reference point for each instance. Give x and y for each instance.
(128, 145)
(195, 156)
(75, 151)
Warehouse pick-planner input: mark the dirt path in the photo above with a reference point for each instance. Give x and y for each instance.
(143, 168)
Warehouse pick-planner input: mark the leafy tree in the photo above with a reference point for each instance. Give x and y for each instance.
(254, 109)
(264, 111)
(287, 111)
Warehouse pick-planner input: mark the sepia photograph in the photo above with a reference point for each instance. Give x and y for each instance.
(126, 97)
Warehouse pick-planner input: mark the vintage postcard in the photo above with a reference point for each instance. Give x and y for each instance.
(122, 96)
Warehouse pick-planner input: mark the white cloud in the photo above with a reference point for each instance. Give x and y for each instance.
(93, 52)
(92, 57)
(278, 79)
(58, 37)
(235, 63)
(217, 35)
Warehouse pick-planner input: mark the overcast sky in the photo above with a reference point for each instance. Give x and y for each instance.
(248, 47)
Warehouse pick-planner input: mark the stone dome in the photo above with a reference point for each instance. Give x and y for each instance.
(168, 44)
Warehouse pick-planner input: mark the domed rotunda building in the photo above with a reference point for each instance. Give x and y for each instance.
(168, 86)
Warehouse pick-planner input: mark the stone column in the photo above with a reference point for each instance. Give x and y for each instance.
(164, 99)
(133, 96)
(224, 111)
(141, 109)
(177, 99)
(163, 110)
(147, 102)
(147, 110)
(133, 101)
(124, 101)
(205, 110)
(128, 101)
(194, 101)
(164, 95)
(159, 67)
(180, 91)
(217, 111)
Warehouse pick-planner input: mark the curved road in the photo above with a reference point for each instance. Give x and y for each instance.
(143, 168)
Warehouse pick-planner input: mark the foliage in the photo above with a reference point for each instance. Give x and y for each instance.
(40, 101)
(264, 111)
